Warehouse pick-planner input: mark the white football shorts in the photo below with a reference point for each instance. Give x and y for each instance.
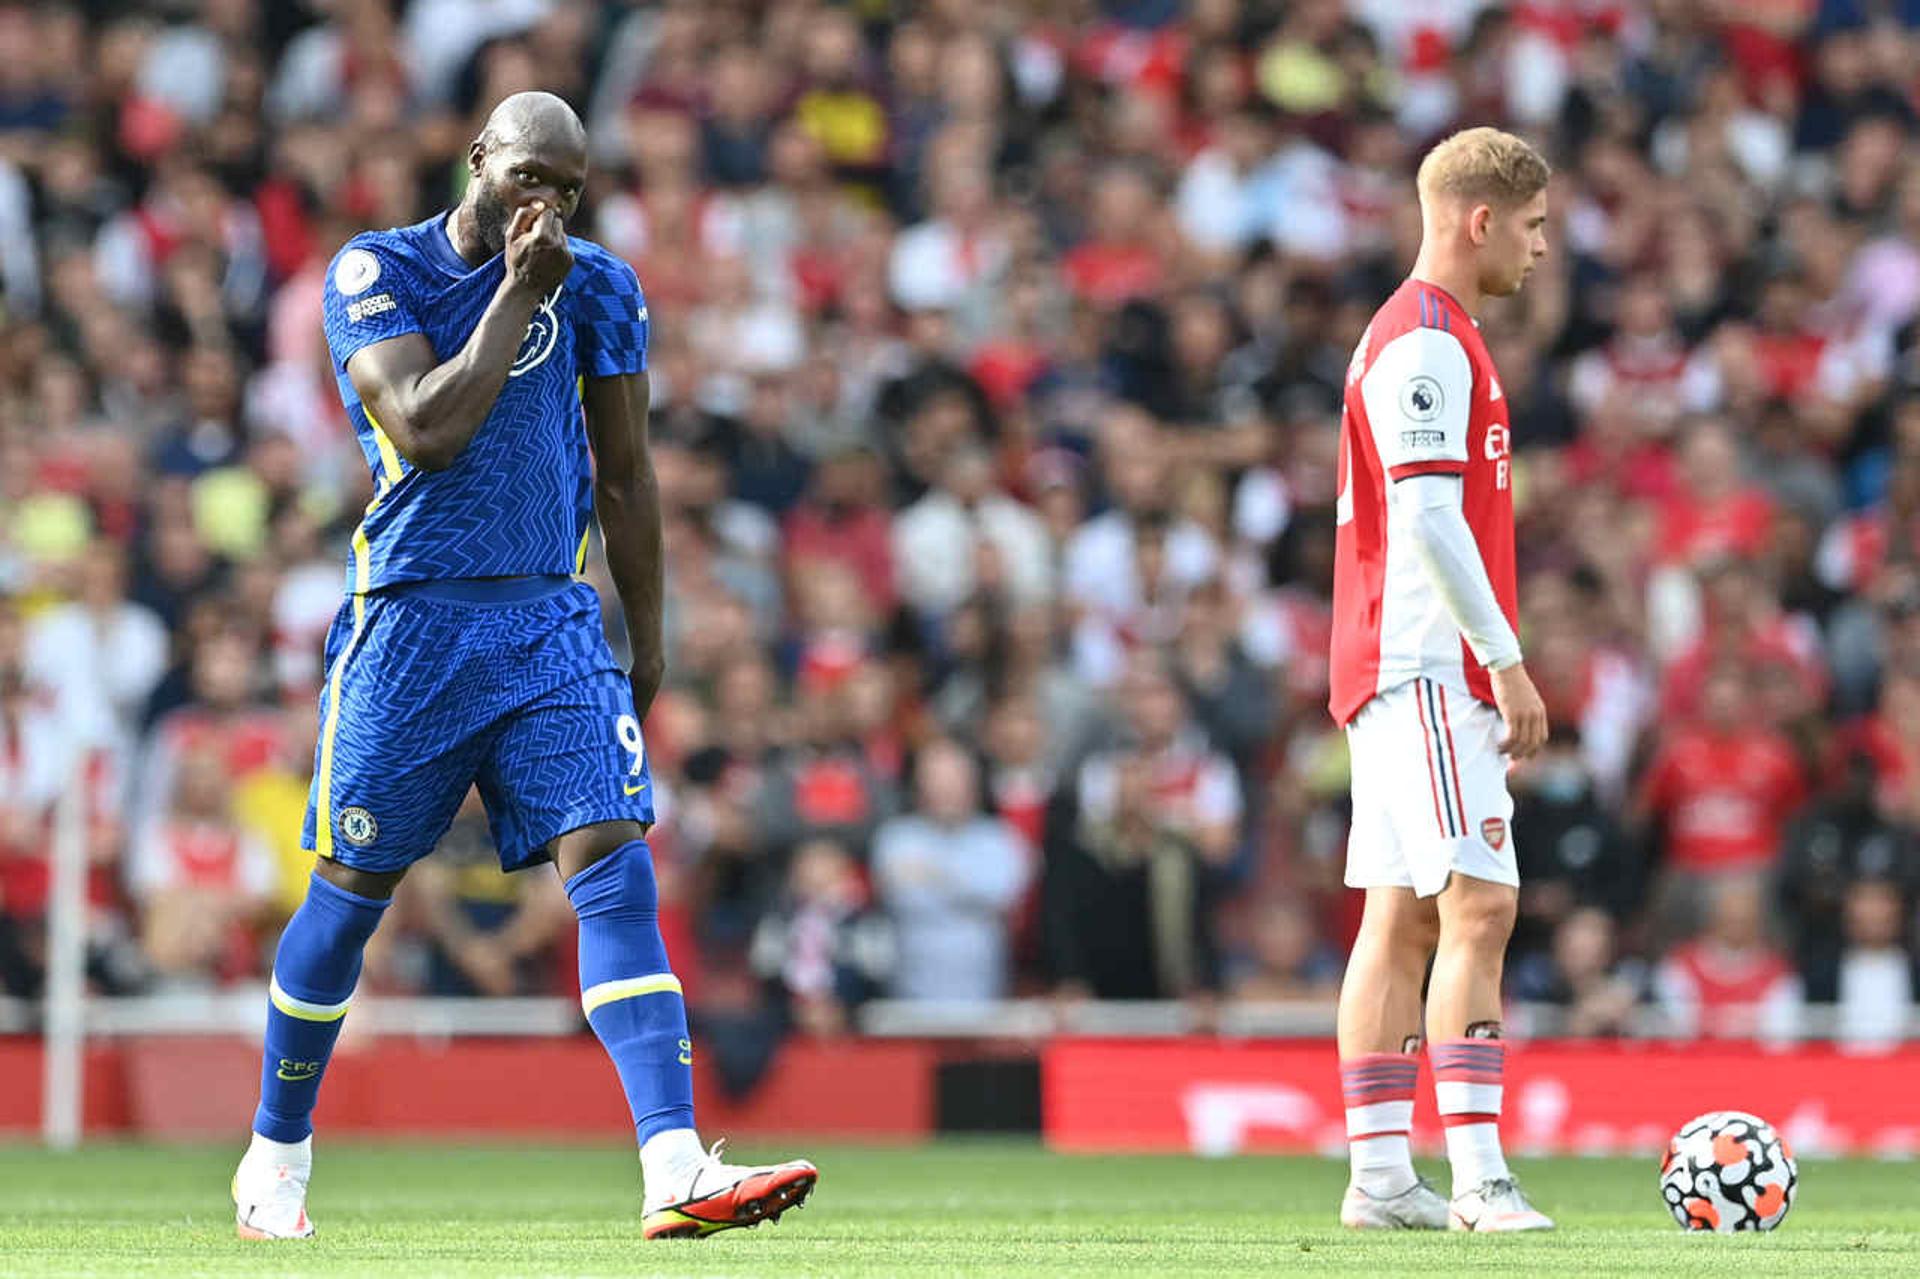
(1429, 791)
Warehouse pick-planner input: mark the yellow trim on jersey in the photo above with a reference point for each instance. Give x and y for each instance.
(389, 455)
(580, 556)
(323, 809)
(608, 992)
(362, 577)
(362, 567)
(301, 1008)
(363, 555)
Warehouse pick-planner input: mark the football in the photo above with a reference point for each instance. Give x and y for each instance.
(1727, 1170)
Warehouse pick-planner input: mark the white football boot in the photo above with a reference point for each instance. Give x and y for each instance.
(270, 1190)
(718, 1196)
(1496, 1206)
(1418, 1207)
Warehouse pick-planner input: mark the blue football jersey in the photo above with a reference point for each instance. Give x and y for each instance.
(518, 498)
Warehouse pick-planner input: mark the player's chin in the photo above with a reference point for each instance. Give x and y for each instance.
(1511, 285)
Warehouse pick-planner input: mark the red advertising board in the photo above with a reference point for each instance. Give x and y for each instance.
(1219, 1097)
(175, 1087)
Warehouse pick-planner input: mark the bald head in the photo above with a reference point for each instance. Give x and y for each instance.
(532, 150)
(535, 118)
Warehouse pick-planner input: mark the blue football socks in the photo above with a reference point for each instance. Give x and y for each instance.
(631, 997)
(314, 973)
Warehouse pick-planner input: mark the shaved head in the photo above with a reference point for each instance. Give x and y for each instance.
(533, 149)
(536, 119)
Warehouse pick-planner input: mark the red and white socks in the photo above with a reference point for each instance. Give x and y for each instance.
(1378, 1091)
(1467, 1075)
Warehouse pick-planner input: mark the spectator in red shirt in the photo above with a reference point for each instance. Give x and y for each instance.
(1858, 546)
(223, 716)
(1742, 622)
(1717, 512)
(202, 882)
(1645, 360)
(1121, 259)
(1730, 982)
(1890, 738)
(41, 746)
(1624, 448)
(1719, 793)
(1787, 352)
(842, 521)
(33, 744)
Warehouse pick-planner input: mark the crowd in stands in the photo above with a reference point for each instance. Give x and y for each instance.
(997, 359)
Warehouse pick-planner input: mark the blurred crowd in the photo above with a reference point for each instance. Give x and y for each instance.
(997, 358)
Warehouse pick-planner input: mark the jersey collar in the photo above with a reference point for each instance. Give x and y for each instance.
(1448, 295)
(440, 248)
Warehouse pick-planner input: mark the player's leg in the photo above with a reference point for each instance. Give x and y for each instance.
(1477, 908)
(567, 779)
(628, 990)
(1379, 1037)
(390, 768)
(1464, 1025)
(315, 969)
(1379, 1014)
(634, 1004)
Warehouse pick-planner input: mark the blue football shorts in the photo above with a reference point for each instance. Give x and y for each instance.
(435, 687)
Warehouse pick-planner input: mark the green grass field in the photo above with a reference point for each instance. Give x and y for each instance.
(952, 1209)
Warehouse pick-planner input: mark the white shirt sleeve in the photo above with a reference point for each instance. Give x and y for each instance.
(1418, 394)
(1430, 505)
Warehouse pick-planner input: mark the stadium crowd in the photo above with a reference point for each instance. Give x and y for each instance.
(997, 359)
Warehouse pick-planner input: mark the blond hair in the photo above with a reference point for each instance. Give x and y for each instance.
(1484, 165)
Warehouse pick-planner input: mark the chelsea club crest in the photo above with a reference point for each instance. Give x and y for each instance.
(543, 330)
(358, 827)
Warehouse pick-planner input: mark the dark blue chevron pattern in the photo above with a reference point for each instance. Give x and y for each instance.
(518, 498)
(524, 699)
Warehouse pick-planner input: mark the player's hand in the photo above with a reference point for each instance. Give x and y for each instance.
(1520, 706)
(645, 679)
(538, 258)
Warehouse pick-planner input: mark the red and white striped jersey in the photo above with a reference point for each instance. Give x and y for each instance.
(1421, 398)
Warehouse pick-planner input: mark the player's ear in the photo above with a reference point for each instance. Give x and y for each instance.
(1479, 219)
(476, 156)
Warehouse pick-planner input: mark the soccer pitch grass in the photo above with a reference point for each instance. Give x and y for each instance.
(987, 1208)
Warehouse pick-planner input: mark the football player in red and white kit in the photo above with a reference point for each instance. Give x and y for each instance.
(1427, 679)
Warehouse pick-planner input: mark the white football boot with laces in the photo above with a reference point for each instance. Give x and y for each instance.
(270, 1190)
(716, 1196)
(1418, 1207)
(1496, 1206)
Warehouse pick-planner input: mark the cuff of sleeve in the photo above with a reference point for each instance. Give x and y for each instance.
(1502, 661)
(1439, 466)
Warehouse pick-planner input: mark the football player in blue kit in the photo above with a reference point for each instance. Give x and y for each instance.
(480, 354)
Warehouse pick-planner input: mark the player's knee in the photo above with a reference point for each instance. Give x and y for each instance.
(577, 850)
(1407, 930)
(378, 885)
(620, 884)
(1481, 923)
(1417, 935)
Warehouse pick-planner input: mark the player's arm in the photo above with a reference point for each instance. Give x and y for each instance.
(431, 408)
(626, 496)
(1431, 506)
(1459, 576)
(1417, 394)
